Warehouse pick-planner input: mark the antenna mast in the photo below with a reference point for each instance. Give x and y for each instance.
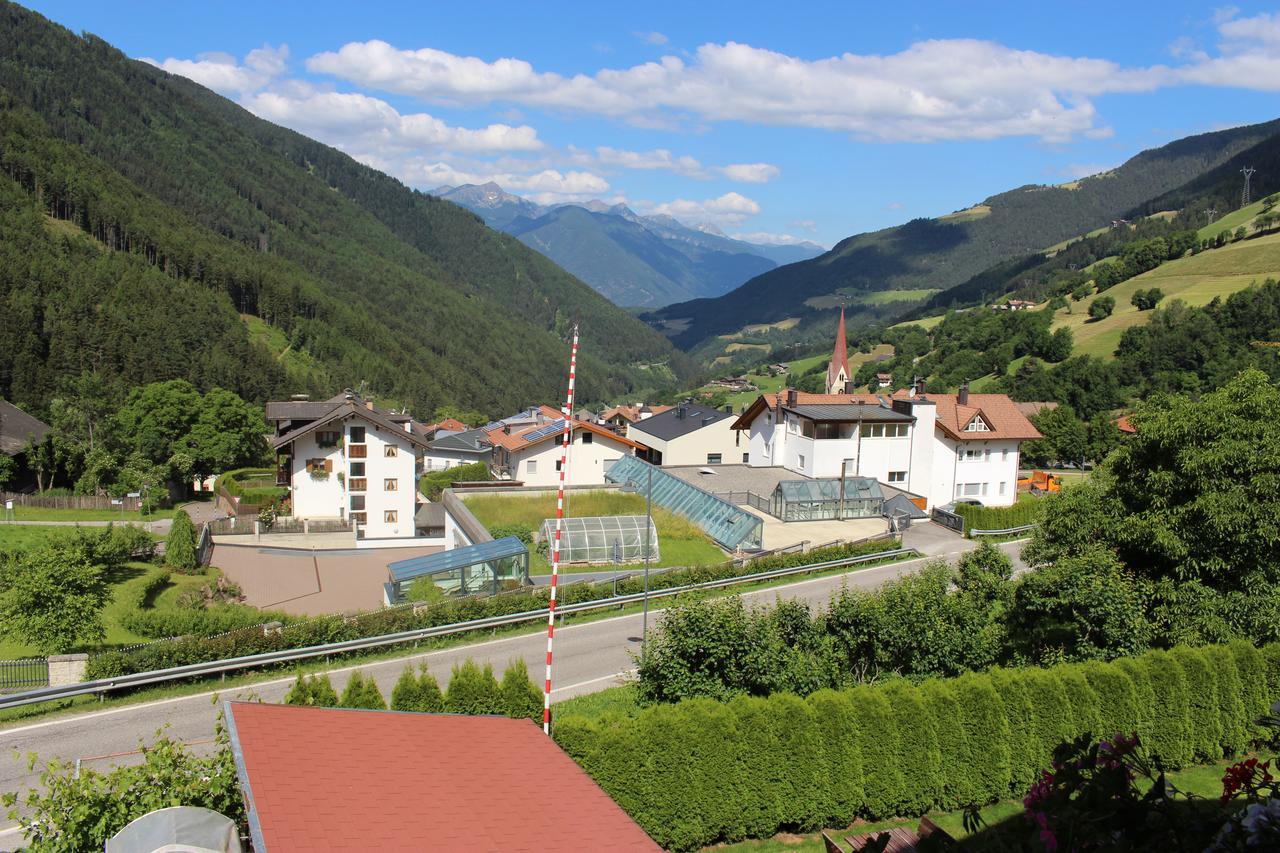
(566, 441)
(1245, 197)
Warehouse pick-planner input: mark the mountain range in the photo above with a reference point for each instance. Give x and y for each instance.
(151, 229)
(880, 275)
(633, 260)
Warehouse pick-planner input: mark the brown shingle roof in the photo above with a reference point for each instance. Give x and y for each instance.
(340, 779)
(1003, 419)
(517, 440)
(16, 426)
(345, 409)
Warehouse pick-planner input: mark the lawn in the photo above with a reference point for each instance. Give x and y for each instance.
(924, 322)
(679, 542)
(20, 537)
(37, 513)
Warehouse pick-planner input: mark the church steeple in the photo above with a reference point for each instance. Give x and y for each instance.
(838, 370)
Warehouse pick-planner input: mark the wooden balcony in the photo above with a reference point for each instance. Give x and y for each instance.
(359, 484)
(358, 451)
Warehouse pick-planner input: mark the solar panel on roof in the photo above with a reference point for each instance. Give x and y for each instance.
(543, 432)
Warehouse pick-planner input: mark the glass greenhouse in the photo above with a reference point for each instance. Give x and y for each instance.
(821, 500)
(603, 539)
(729, 526)
(483, 569)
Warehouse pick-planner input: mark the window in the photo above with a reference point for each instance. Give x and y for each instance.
(531, 467)
(972, 455)
(558, 461)
(1002, 487)
(884, 430)
(326, 439)
(826, 431)
(713, 458)
(357, 435)
(357, 503)
(390, 484)
(897, 476)
(746, 457)
(359, 518)
(791, 425)
(1004, 457)
(970, 490)
(390, 516)
(588, 437)
(389, 451)
(357, 469)
(801, 460)
(977, 425)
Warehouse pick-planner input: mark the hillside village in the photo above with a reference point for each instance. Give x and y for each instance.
(351, 473)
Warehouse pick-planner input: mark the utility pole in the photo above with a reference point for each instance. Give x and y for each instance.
(1212, 214)
(1245, 197)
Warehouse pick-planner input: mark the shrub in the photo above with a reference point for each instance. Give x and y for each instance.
(918, 746)
(1171, 725)
(1144, 699)
(433, 483)
(840, 756)
(472, 690)
(314, 690)
(1252, 670)
(520, 696)
(878, 744)
(1082, 701)
(1101, 308)
(523, 532)
(1229, 701)
(986, 737)
(256, 495)
(180, 547)
(1117, 699)
(1023, 769)
(954, 780)
(998, 517)
(362, 693)
(1202, 700)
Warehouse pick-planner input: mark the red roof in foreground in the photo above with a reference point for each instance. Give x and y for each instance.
(339, 779)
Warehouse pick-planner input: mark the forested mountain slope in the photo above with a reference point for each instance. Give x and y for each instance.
(375, 282)
(941, 253)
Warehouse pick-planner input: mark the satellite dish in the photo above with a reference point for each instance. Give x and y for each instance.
(182, 828)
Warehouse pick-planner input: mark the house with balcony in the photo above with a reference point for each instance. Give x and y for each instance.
(344, 459)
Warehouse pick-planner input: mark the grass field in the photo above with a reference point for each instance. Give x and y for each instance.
(36, 513)
(924, 322)
(1195, 280)
(124, 583)
(679, 542)
(21, 536)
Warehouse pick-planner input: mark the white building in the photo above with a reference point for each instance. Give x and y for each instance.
(938, 446)
(344, 459)
(689, 434)
(531, 454)
(451, 449)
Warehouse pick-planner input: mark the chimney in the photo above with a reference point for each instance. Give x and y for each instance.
(963, 397)
(368, 404)
(680, 412)
(919, 385)
(300, 398)
(792, 396)
(506, 429)
(728, 409)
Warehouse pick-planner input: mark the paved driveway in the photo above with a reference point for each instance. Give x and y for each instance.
(310, 583)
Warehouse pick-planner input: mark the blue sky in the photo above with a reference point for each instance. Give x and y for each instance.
(785, 122)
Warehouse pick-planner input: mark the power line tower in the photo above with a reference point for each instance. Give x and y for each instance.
(1245, 197)
(1212, 214)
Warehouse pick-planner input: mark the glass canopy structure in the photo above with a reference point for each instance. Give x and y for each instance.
(730, 526)
(482, 569)
(603, 539)
(822, 500)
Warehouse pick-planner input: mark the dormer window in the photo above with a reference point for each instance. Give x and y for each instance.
(977, 425)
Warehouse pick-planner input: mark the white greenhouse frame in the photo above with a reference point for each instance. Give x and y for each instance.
(603, 539)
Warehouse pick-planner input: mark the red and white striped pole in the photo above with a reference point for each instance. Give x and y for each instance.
(566, 440)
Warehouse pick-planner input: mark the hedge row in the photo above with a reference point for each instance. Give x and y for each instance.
(332, 629)
(702, 771)
(998, 517)
(261, 496)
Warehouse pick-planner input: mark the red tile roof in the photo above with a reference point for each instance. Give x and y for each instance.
(338, 779)
(1001, 415)
(517, 441)
(1125, 425)
(449, 424)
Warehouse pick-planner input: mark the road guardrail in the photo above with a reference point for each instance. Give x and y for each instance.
(1026, 528)
(196, 670)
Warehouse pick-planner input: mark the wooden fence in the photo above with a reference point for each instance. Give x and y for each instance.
(70, 501)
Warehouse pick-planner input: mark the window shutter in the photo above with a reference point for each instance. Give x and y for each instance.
(328, 465)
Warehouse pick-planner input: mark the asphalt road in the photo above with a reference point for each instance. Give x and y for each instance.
(588, 657)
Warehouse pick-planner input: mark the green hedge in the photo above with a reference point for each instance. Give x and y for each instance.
(332, 629)
(998, 517)
(703, 771)
(256, 496)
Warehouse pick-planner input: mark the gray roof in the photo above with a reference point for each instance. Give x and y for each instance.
(306, 410)
(865, 412)
(430, 515)
(670, 424)
(350, 408)
(16, 426)
(471, 441)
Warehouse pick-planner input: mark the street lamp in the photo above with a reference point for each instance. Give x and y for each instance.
(631, 488)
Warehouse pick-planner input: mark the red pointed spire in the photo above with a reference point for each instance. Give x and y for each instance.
(839, 358)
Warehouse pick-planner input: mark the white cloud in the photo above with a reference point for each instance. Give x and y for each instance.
(751, 173)
(730, 209)
(894, 205)
(804, 225)
(769, 238)
(1080, 170)
(223, 74)
(654, 38)
(1248, 54)
(659, 158)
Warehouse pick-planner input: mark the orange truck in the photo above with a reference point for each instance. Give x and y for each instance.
(1040, 482)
